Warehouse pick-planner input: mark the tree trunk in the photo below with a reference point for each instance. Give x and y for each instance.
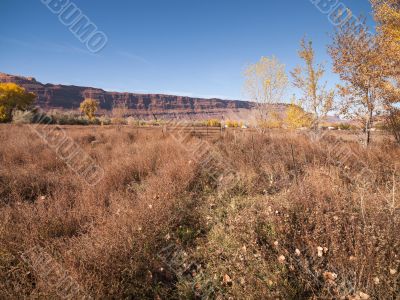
(393, 122)
(315, 124)
(368, 127)
(368, 135)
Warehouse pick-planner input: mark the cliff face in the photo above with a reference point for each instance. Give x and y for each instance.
(52, 96)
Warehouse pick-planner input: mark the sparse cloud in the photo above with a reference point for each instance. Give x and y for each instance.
(46, 46)
(132, 56)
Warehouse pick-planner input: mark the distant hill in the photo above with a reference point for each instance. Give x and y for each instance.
(66, 97)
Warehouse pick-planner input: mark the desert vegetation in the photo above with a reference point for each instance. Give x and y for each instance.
(13, 97)
(269, 216)
(214, 208)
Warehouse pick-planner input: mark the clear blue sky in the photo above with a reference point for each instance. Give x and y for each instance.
(195, 48)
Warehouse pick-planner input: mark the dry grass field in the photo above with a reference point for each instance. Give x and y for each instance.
(241, 216)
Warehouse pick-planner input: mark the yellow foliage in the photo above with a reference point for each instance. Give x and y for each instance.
(387, 14)
(266, 80)
(213, 123)
(233, 124)
(368, 64)
(308, 78)
(13, 96)
(265, 84)
(89, 108)
(296, 117)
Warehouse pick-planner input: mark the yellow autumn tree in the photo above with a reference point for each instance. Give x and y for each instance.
(308, 78)
(387, 17)
(13, 96)
(265, 84)
(89, 107)
(296, 116)
(358, 60)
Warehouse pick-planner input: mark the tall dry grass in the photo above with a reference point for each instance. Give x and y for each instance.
(294, 223)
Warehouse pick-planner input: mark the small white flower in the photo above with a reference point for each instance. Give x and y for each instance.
(320, 251)
(363, 295)
(281, 259)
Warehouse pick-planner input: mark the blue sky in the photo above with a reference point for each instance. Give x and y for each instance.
(193, 48)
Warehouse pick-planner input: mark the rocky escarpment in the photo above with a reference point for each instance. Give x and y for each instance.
(56, 96)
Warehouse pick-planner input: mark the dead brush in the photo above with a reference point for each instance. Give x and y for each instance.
(271, 216)
(343, 235)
